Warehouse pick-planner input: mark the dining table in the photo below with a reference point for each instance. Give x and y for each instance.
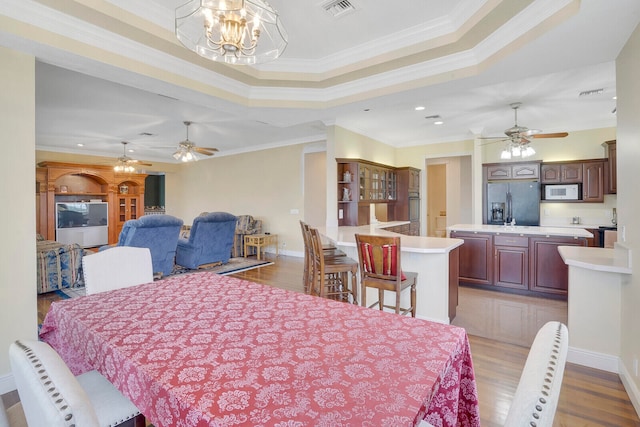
(202, 349)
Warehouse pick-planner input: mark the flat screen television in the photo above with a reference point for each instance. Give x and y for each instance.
(82, 214)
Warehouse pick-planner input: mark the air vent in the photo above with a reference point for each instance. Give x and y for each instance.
(591, 92)
(432, 117)
(337, 8)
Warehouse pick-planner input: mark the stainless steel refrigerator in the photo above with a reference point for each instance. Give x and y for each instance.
(513, 200)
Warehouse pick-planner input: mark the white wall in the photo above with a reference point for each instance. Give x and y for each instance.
(628, 147)
(18, 309)
(266, 184)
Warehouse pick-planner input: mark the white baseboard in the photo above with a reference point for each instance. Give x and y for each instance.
(630, 387)
(591, 359)
(609, 363)
(7, 384)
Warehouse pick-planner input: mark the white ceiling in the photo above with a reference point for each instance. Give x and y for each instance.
(464, 60)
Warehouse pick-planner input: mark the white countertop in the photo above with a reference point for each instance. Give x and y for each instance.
(345, 236)
(522, 230)
(599, 259)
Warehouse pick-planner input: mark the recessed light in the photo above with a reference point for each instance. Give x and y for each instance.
(615, 97)
(419, 108)
(80, 144)
(438, 122)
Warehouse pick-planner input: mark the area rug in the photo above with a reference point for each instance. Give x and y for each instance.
(235, 265)
(67, 293)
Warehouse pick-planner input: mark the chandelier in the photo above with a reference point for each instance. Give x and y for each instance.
(242, 32)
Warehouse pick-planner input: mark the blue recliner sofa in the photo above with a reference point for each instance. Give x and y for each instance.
(210, 240)
(159, 233)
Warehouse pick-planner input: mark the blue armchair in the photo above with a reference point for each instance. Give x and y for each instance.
(159, 233)
(210, 240)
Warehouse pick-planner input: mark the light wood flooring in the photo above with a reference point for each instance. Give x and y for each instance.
(501, 328)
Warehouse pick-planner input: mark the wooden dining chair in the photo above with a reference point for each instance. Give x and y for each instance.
(117, 267)
(52, 396)
(380, 268)
(329, 251)
(330, 275)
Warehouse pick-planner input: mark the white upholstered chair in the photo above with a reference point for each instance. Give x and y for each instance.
(53, 397)
(536, 398)
(117, 267)
(13, 416)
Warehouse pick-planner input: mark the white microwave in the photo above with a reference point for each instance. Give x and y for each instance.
(562, 192)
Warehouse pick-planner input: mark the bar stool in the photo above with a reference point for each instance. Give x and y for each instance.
(329, 251)
(330, 276)
(379, 258)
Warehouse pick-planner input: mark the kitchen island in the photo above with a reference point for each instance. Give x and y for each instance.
(522, 259)
(596, 280)
(434, 259)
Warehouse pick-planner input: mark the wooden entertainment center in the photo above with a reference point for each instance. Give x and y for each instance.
(70, 182)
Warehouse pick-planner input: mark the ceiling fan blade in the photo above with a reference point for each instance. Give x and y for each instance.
(208, 148)
(205, 151)
(550, 135)
(494, 140)
(138, 162)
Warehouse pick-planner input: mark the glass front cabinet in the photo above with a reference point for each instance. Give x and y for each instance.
(363, 185)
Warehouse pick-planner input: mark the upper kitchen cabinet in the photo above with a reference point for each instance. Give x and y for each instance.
(589, 173)
(593, 181)
(512, 170)
(561, 173)
(611, 167)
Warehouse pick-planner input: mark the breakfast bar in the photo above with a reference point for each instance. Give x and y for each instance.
(435, 260)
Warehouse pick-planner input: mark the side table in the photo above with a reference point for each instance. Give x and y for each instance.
(260, 241)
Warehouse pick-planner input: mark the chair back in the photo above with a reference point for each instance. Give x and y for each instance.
(117, 267)
(159, 233)
(50, 394)
(379, 258)
(210, 240)
(536, 397)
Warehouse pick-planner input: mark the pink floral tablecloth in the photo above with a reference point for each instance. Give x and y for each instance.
(208, 350)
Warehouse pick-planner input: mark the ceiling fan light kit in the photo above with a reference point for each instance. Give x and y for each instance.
(126, 164)
(188, 151)
(519, 138)
(238, 32)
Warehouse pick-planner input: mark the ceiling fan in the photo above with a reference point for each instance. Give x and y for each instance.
(187, 150)
(126, 163)
(519, 137)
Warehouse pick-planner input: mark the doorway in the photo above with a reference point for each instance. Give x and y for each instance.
(449, 198)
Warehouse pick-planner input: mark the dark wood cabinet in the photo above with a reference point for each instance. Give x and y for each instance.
(407, 206)
(591, 174)
(511, 266)
(561, 173)
(476, 257)
(531, 264)
(361, 183)
(512, 170)
(549, 273)
(611, 167)
(593, 181)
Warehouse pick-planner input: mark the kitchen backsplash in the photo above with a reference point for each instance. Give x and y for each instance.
(590, 214)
